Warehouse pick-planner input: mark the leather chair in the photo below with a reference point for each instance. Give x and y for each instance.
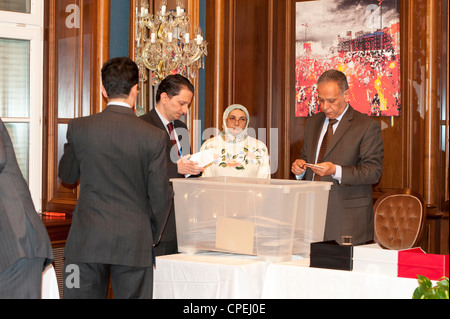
(399, 219)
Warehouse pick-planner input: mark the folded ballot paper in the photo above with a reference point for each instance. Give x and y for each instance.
(203, 158)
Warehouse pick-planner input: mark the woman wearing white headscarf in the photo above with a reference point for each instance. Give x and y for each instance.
(235, 152)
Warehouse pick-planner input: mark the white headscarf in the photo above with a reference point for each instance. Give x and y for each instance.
(227, 135)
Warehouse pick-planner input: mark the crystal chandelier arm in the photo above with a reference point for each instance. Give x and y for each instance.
(168, 47)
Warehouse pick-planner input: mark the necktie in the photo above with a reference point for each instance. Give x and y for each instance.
(323, 148)
(174, 141)
(172, 137)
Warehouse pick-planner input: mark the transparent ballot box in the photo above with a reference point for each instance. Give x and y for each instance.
(270, 218)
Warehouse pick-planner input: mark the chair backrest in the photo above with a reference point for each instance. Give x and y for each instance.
(399, 219)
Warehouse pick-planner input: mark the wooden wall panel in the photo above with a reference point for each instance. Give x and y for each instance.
(282, 84)
(414, 157)
(249, 69)
(76, 46)
(251, 57)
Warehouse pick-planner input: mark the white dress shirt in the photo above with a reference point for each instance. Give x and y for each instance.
(338, 174)
(120, 104)
(165, 122)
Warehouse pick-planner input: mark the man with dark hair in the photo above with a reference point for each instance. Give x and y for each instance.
(118, 77)
(125, 195)
(25, 246)
(173, 97)
(350, 156)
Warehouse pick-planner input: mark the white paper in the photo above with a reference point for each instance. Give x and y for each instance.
(203, 158)
(314, 165)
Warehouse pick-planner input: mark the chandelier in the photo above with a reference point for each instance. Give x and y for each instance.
(163, 44)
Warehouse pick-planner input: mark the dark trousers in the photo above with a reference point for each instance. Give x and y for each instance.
(127, 282)
(23, 279)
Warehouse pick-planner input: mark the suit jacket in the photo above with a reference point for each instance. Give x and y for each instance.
(170, 234)
(180, 127)
(125, 195)
(357, 146)
(22, 233)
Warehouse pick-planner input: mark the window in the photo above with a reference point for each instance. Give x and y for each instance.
(23, 6)
(21, 51)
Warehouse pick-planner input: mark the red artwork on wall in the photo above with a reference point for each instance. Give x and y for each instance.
(360, 38)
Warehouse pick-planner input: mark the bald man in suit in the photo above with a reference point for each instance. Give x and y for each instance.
(25, 246)
(353, 160)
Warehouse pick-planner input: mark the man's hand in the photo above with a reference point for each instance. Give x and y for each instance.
(298, 167)
(187, 167)
(323, 169)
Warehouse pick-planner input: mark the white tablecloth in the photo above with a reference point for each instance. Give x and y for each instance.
(226, 276)
(208, 276)
(49, 284)
(295, 279)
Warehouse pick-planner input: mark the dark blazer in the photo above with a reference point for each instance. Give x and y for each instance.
(22, 233)
(170, 235)
(153, 118)
(357, 146)
(125, 195)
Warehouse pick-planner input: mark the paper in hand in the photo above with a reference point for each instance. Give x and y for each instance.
(313, 165)
(203, 158)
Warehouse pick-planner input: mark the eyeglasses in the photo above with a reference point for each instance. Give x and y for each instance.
(233, 119)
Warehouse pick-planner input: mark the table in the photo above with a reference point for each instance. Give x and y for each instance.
(228, 276)
(296, 280)
(208, 276)
(49, 284)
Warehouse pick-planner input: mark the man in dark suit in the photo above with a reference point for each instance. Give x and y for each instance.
(353, 160)
(173, 97)
(25, 246)
(125, 195)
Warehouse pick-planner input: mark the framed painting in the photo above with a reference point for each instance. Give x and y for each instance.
(358, 37)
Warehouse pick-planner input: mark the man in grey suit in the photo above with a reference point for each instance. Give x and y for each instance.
(173, 97)
(125, 195)
(25, 246)
(353, 160)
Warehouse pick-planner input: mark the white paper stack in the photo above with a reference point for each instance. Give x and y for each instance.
(374, 259)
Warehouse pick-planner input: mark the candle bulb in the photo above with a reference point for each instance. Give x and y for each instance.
(163, 9)
(153, 37)
(178, 11)
(186, 36)
(199, 39)
(170, 36)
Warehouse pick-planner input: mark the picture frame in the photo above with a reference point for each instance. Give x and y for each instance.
(360, 38)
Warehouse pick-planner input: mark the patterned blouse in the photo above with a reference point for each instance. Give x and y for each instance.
(246, 158)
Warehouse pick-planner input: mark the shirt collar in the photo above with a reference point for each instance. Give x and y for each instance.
(339, 118)
(163, 119)
(119, 103)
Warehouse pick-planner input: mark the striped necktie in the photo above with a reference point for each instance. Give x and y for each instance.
(323, 148)
(172, 137)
